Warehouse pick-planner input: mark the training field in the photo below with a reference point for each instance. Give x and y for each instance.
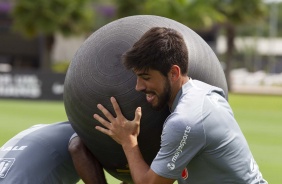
(260, 118)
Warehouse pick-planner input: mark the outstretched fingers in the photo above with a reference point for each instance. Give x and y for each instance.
(103, 130)
(103, 122)
(116, 108)
(138, 115)
(108, 115)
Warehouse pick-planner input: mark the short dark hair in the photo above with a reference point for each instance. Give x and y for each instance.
(158, 49)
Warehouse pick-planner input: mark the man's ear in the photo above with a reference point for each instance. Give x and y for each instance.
(174, 72)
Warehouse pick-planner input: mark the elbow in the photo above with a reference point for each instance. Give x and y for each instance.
(75, 145)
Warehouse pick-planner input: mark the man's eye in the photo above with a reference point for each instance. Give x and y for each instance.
(146, 78)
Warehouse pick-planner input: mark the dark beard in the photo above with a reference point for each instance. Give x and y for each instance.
(164, 97)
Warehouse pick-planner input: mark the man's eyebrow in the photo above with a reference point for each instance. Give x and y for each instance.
(142, 74)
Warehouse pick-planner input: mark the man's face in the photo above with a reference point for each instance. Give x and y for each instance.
(156, 87)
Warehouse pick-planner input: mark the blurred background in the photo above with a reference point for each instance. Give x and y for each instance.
(38, 39)
(41, 36)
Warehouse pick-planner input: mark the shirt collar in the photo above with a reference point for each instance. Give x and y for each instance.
(183, 89)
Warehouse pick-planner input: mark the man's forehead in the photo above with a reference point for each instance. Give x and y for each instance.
(141, 71)
(150, 72)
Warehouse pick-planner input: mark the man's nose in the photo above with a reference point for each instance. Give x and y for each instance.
(140, 86)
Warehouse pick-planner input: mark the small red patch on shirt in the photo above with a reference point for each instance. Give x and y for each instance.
(184, 174)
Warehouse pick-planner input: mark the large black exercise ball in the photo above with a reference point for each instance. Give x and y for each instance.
(96, 73)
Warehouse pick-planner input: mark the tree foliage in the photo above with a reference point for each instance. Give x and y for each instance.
(50, 16)
(193, 13)
(241, 11)
(77, 16)
(202, 15)
(237, 12)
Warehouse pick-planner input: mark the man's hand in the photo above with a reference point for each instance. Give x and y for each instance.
(123, 131)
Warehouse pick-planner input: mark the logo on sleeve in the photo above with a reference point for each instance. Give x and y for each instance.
(184, 173)
(5, 165)
(178, 151)
(170, 166)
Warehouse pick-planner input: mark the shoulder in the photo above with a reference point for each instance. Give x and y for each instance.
(180, 125)
(215, 103)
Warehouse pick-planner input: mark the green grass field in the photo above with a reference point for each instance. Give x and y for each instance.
(260, 118)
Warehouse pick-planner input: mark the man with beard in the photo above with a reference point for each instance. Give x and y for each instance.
(200, 136)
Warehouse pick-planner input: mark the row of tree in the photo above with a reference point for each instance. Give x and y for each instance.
(202, 15)
(70, 17)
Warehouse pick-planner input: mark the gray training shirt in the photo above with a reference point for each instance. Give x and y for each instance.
(38, 155)
(201, 141)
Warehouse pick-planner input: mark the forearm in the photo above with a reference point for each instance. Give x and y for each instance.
(138, 167)
(90, 170)
(87, 166)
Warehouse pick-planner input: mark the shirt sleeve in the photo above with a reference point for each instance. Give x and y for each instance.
(182, 138)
